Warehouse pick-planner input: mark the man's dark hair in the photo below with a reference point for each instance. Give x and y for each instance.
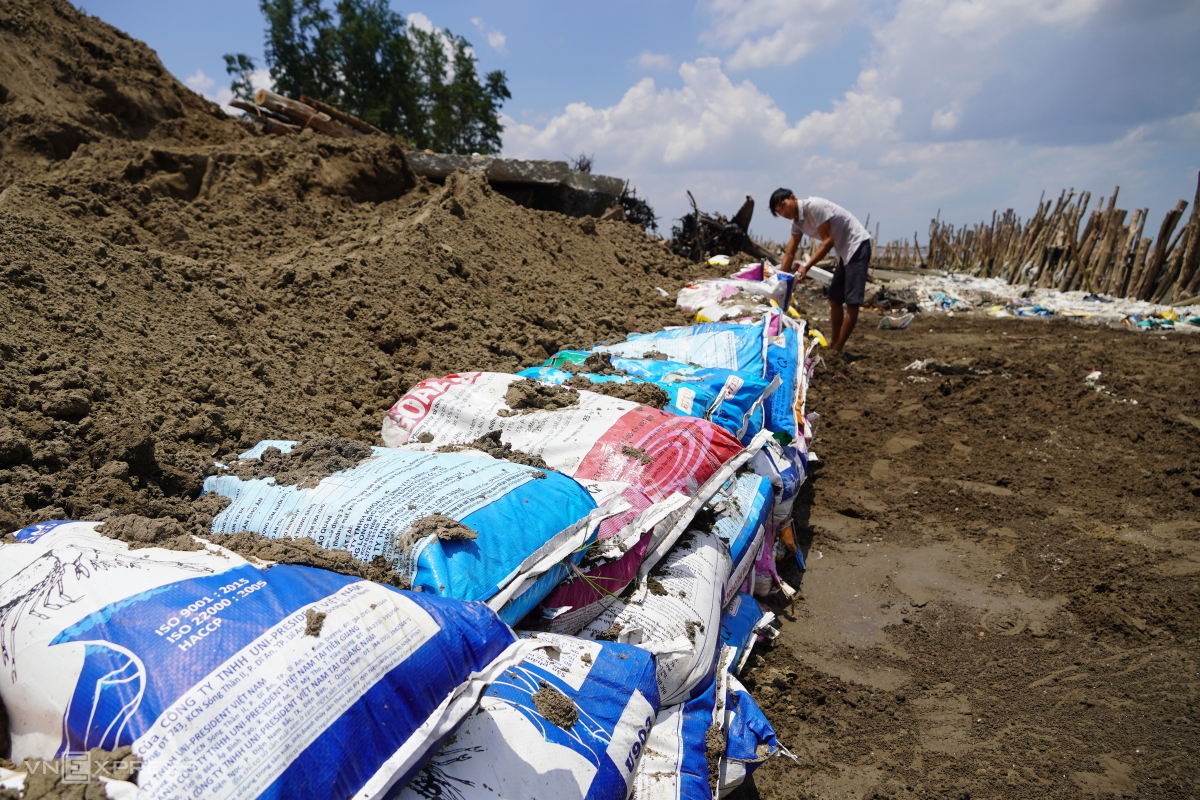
(777, 198)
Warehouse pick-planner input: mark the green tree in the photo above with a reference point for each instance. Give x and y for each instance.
(420, 86)
(240, 66)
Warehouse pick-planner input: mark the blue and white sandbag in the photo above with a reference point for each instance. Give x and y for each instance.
(785, 468)
(705, 748)
(785, 362)
(684, 748)
(742, 622)
(732, 399)
(725, 345)
(743, 508)
(231, 681)
(528, 522)
(726, 398)
(570, 721)
(749, 738)
(675, 613)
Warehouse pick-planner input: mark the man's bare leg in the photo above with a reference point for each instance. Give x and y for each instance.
(843, 328)
(835, 324)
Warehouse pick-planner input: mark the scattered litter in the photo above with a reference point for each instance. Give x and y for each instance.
(996, 298)
(896, 323)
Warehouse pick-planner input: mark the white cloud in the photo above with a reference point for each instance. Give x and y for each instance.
(198, 82)
(777, 32)
(946, 119)
(963, 105)
(421, 22)
(207, 87)
(495, 38)
(653, 61)
(663, 128)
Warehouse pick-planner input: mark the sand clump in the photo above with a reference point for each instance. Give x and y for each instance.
(440, 526)
(525, 395)
(313, 622)
(637, 454)
(593, 364)
(644, 394)
(490, 443)
(165, 532)
(305, 552)
(306, 464)
(714, 751)
(555, 706)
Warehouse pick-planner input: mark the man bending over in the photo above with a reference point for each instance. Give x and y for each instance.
(837, 229)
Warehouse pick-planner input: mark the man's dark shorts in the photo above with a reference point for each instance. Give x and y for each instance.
(850, 279)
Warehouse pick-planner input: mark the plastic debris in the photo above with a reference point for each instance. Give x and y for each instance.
(896, 323)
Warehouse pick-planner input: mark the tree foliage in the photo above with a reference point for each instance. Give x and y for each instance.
(420, 86)
(240, 66)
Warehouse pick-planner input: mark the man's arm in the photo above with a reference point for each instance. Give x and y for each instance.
(786, 264)
(826, 234)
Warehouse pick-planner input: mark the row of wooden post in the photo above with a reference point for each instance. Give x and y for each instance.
(1108, 255)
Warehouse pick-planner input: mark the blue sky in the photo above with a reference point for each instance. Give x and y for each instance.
(897, 109)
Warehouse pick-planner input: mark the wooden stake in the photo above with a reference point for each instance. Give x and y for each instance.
(1189, 276)
(341, 116)
(305, 115)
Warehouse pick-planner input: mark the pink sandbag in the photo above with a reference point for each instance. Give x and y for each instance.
(664, 466)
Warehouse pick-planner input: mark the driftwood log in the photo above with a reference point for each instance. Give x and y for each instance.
(341, 116)
(274, 126)
(259, 112)
(304, 115)
(700, 235)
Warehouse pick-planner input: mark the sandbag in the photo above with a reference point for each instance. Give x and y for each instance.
(676, 614)
(727, 291)
(724, 345)
(665, 466)
(749, 738)
(738, 397)
(569, 721)
(526, 521)
(784, 360)
(766, 574)
(743, 508)
(229, 680)
(684, 748)
(705, 748)
(785, 468)
(742, 623)
(722, 396)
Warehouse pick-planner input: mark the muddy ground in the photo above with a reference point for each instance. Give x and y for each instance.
(1001, 598)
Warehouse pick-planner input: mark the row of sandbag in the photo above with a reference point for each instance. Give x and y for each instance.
(683, 598)
(208, 665)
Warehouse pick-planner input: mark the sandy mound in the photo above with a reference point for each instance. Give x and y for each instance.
(67, 79)
(177, 287)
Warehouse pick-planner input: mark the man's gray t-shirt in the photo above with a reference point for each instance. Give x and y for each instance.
(848, 232)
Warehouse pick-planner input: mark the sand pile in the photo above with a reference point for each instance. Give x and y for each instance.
(67, 79)
(176, 287)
